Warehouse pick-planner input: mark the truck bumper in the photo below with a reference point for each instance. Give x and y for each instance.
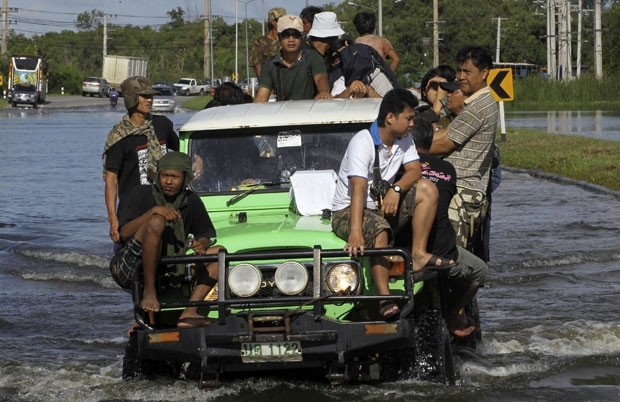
(253, 343)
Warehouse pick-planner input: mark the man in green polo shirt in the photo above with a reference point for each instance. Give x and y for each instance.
(295, 73)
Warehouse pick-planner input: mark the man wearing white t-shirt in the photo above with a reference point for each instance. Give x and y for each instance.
(369, 219)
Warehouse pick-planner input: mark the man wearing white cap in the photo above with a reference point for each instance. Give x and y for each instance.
(295, 73)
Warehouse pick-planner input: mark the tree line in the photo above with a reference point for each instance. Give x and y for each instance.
(176, 48)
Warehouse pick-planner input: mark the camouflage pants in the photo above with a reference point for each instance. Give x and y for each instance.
(466, 212)
(372, 221)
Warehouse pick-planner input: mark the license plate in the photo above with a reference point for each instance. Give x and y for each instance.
(259, 352)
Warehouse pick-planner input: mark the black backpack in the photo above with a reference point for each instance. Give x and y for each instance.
(359, 61)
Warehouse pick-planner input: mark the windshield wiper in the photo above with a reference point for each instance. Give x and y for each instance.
(253, 188)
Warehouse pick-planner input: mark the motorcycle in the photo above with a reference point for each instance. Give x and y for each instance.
(113, 99)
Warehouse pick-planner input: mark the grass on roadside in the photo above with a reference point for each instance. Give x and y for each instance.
(592, 160)
(197, 102)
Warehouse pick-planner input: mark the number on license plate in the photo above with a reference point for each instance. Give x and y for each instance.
(256, 352)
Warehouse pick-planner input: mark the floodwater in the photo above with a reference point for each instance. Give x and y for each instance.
(595, 124)
(551, 331)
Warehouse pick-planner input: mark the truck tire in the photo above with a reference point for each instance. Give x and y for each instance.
(434, 357)
(83, 93)
(147, 369)
(202, 91)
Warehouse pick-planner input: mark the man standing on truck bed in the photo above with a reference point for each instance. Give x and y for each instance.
(294, 73)
(134, 145)
(268, 45)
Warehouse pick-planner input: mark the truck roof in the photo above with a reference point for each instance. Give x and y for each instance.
(287, 113)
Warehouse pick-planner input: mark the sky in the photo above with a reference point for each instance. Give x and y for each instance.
(35, 17)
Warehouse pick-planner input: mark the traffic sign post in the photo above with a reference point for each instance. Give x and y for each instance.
(501, 85)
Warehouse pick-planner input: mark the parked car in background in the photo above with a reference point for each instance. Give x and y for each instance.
(246, 86)
(24, 93)
(95, 86)
(190, 86)
(162, 84)
(212, 84)
(164, 101)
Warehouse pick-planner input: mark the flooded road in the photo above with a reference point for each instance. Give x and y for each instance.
(604, 125)
(550, 326)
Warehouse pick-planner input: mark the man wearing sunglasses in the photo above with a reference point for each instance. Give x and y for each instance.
(295, 73)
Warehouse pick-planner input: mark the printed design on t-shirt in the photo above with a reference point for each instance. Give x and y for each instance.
(143, 153)
(433, 175)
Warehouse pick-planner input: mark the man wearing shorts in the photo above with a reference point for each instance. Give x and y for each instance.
(156, 221)
(366, 220)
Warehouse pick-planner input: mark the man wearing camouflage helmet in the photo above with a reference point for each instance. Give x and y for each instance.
(268, 45)
(133, 146)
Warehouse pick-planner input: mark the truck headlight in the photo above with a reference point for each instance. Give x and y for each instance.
(342, 278)
(291, 278)
(244, 280)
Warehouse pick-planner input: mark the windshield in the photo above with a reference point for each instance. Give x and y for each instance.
(186, 82)
(235, 160)
(25, 88)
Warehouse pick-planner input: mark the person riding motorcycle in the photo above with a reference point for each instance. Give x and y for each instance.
(113, 97)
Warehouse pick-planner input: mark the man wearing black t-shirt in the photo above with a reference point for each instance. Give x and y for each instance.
(467, 275)
(133, 146)
(156, 220)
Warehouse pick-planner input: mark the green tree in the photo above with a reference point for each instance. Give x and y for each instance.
(176, 49)
(88, 21)
(611, 38)
(176, 17)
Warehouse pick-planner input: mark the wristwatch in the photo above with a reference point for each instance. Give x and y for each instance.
(396, 188)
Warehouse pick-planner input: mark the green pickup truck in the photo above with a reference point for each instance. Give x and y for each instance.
(289, 300)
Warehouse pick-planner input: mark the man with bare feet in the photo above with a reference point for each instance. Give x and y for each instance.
(467, 275)
(155, 221)
(366, 218)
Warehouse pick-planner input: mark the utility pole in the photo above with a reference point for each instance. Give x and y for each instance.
(207, 40)
(435, 33)
(4, 10)
(5, 13)
(499, 37)
(105, 33)
(598, 45)
(564, 56)
(380, 7)
(551, 41)
(105, 36)
(236, 41)
(263, 18)
(578, 67)
(435, 23)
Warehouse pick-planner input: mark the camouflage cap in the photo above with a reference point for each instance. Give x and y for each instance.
(276, 13)
(134, 86)
(290, 22)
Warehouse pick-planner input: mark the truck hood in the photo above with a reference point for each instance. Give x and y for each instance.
(274, 230)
